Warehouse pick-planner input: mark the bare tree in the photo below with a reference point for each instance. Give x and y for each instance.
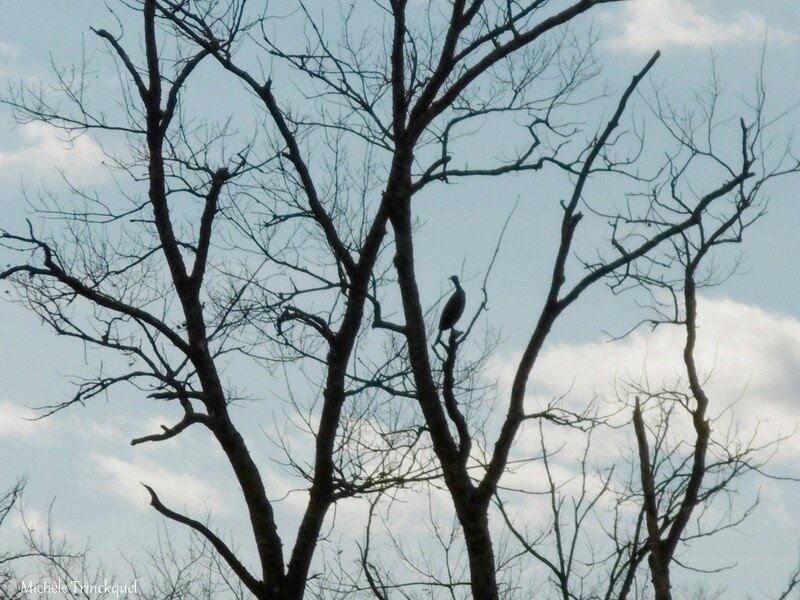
(43, 555)
(472, 495)
(668, 504)
(148, 291)
(674, 478)
(7, 576)
(290, 252)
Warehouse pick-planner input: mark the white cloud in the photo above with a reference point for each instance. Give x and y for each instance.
(651, 24)
(38, 523)
(8, 50)
(15, 421)
(42, 153)
(752, 357)
(175, 490)
(116, 428)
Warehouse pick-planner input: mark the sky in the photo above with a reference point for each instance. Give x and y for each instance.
(749, 326)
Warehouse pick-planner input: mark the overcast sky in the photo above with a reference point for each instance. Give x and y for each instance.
(750, 326)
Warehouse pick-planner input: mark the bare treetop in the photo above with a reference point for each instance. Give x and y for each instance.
(289, 239)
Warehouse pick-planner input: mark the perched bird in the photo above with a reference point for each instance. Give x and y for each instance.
(454, 308)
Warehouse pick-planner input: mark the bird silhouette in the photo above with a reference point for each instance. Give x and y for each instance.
(454, 308)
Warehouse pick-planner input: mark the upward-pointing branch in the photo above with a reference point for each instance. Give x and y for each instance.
(553, 306)
(253, 584)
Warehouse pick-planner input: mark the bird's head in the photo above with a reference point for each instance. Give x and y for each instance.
(454, 279)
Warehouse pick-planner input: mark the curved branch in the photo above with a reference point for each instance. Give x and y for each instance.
(171, 432)
(253, 584)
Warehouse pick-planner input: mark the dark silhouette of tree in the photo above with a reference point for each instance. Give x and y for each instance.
(297, 249)
(8, 583)
(170, 570)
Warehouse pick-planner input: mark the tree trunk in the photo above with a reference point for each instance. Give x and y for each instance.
(483, 576)
(659, 575)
